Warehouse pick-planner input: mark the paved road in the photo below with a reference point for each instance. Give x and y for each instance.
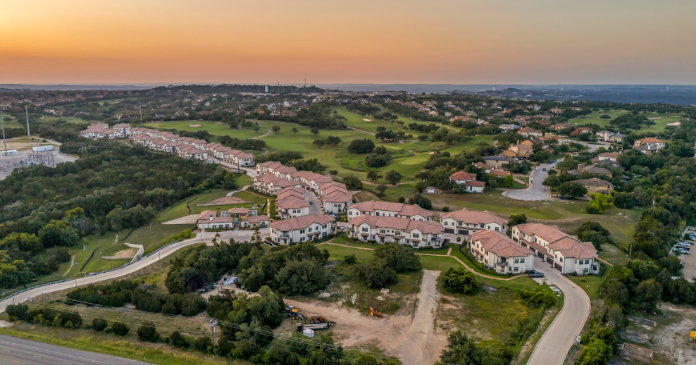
(535, 191)
(553, 346)
(24, 352)
(237, 234)
(22, 297)
(315, 207)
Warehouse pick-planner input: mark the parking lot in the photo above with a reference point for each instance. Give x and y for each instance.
(689, 261)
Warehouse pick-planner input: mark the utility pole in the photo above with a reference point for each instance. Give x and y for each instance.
(141, 112)
(27, 111)
(213, 322)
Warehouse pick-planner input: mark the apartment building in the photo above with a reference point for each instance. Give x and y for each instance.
(566, 253)
(498, 252)
(301, 229)
(388, 209)
(467, 222)
(404, 231)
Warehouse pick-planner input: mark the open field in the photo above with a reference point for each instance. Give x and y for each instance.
(594, 118)
(65, 118)
(179, 210)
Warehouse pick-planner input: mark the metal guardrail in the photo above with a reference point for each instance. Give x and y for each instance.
(89, 274)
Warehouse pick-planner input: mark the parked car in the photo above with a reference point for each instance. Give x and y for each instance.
(684, 244)
(564, 197)
(536, 274)
(544, 169)
(311, 203)
(683, 251)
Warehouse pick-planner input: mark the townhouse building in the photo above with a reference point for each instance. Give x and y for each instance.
(497, 251)
(271, 184)
(388, 209)
(291, 203)
(565, 253)
(404, 231)
(335, 197)
(468, 180)
(302, 229)
(467, 222)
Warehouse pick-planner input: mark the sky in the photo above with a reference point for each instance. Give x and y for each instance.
(357, 41)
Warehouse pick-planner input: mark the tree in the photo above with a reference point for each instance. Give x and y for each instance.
(514, 220)
(381, 188)
(398, 257)
(294, 130)
(314, 131)
(595, 353)
(461, 281)
(648, 293)
(276, 129)
(349, 259)
(361, 146)
(624, 200)
(120, 329)
(393, 177)
(302, 277)
(421, 201)
(509, 180)
(605, 116)
(352, 182)
(572, 190)
(333, 172)
(373, 175)
(595, 233)
(256, 128)
(598, 204)
(377, 274)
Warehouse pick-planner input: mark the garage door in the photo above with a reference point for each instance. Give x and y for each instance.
(558, 267)
(449, 230)
(541, 254)
(464, 232)
(549, 260)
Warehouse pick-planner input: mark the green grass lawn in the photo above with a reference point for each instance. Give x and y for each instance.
(179, 210)
(659, 126)
(338, 253)
(590, 283)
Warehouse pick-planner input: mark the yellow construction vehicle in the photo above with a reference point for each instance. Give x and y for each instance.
(375, 313)
(692, 335)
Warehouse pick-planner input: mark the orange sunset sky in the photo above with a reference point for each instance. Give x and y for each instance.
(357, 41)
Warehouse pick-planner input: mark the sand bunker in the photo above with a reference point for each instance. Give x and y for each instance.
(194, 125)
(225, 200)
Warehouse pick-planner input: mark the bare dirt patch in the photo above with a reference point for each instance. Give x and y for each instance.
(194, 125)
(225, 200)
(672, 341)
(412, 339)
(122, 255)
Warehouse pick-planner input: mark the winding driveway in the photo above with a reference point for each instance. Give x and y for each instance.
(535, 191)
(114, 274)
(555, 343)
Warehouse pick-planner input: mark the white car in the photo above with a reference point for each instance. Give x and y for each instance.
(683, 251)
(684, 244)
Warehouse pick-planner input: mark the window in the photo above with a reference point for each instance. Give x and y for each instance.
(515, 269)
(460, 223)
(415, 235)
(517, 261)
(496, 229)
(446, 223)
(310, 229)
(364, 229)
(521, 261)
(381, 231)
(302, 231)
(398, 233)
(481, 225)
(560, 259)
(301, 239)
(323, 226)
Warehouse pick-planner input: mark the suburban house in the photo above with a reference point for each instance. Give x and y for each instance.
(466, 222)
(611, 156)
(649, 145)
(301, 229)
(98, 130)
(290, 206)
(508, 127)
(208, 219)
(498, 252)
(192, 153)
(534, 107)
(270, 184)
(567, 254)
(530, 132)
(595, 185)
(403, 231)
(309, 180)
(591, 169)
(388, 209)
(580, 130)
(520, 150)
(497, 161)
(122, 130)
(255, 222)
(499, 173)
(468, 180)
(560, 126)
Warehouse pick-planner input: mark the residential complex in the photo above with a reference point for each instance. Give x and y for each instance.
(302, 229)
(498, 252)
(404, 231)
(467, 222)
(565, 253)
(387, 209)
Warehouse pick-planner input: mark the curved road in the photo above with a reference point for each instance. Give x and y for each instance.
(555, 343)
(115, 274)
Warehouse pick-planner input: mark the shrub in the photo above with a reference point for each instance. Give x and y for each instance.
(99, 324)
(461, 280)
(377, 274)
(349, 259)
(445, 209)
(120, 329)
(148, 332)
(177, 340)
(203, 344)
(537, 298)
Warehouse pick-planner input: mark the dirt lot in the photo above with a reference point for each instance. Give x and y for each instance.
(225, 200)
(672, 340)
(411, 339)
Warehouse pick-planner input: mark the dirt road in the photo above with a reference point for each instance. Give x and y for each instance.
(413, 341)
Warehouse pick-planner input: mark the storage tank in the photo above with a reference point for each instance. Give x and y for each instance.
(307, 332)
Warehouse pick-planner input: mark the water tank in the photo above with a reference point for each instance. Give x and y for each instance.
(307, 332)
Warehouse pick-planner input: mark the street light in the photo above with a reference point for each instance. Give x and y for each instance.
(213, 322)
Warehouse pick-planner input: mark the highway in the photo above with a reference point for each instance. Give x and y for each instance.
(24, 352)
(554, 344)
(115, 274)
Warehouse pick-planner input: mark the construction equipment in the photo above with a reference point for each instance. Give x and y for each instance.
(692, 335)
(317, 319)
(293, 313)
(375, 313)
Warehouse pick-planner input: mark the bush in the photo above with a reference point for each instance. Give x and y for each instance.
(461, 280)
(148, 332)
(203, 344)
(349, 259)
(120, 329)
(445, 209)
(400, 258)
(361, 146)
(377, 274)
(177, 340)
(537, 298)
(99, 324)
